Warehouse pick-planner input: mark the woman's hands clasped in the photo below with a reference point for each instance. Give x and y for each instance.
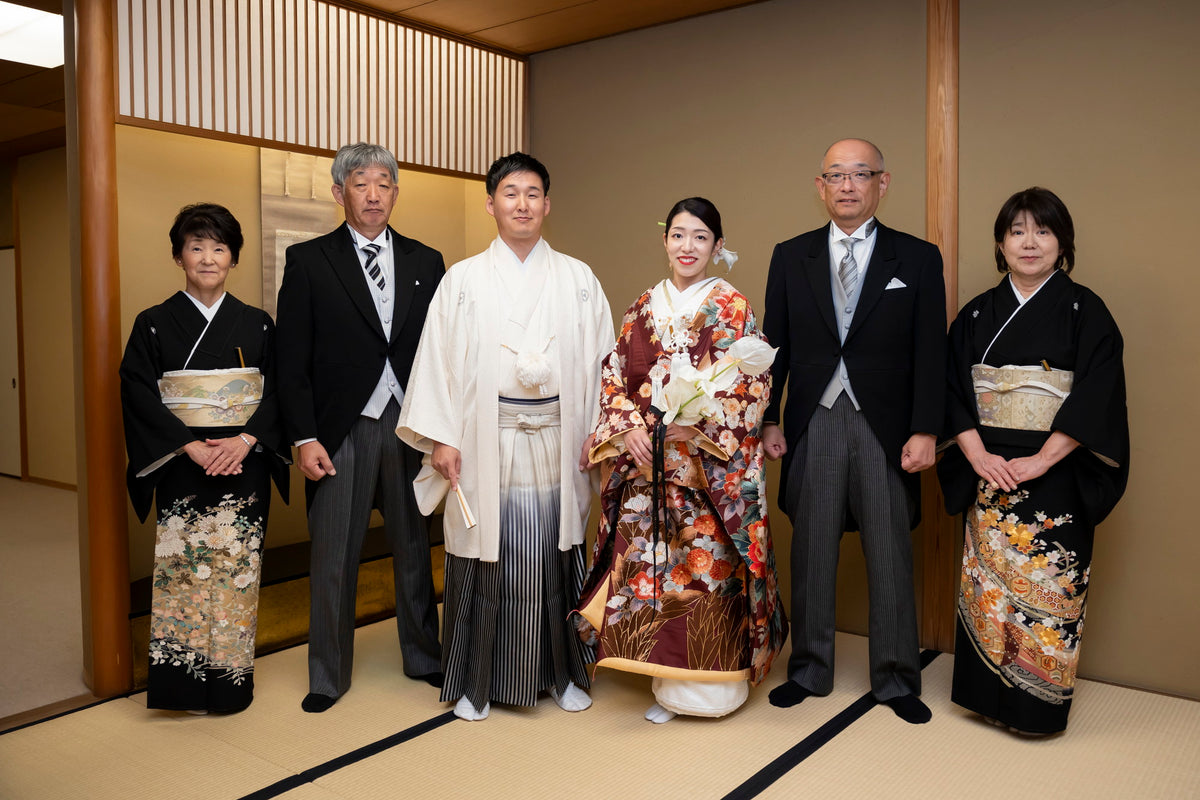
(221, 456)
(641, 449)
(1006, 474)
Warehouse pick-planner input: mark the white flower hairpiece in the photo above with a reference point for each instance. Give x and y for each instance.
(728, 256)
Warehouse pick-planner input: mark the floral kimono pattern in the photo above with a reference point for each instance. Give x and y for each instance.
(700, 600)
(1022, 593)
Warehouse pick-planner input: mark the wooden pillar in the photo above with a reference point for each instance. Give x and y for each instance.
(103, 522)
(939, 532)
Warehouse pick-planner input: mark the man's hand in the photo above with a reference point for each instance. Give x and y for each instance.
(447, 461)
(585, 463)
(314, 461)
(774, 442)
(918, 452)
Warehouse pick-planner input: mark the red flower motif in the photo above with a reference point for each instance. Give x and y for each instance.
(642, 585)
(700, 560)
(705, 524)
(755, 554)
(681, 575)
(721, 570)
(733, 485)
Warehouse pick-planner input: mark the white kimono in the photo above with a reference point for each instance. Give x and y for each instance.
(453, 390)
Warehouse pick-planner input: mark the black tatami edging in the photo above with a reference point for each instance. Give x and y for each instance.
(354, 756)
(772, 772)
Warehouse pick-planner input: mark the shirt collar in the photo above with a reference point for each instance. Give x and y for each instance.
(864, 231)
(360, 241)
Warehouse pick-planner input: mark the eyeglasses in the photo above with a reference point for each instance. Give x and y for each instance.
(858, 176)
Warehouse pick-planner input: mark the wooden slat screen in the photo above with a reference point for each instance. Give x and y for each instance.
(315, 75)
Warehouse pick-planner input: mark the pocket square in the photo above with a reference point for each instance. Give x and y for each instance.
(895, 283)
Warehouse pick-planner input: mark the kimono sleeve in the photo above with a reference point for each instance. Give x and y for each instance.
(265, 424)
(152, 433)
(618, 412)
(1095, 414)
(433, 410)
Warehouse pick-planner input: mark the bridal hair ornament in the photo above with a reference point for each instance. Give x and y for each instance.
(728, 256)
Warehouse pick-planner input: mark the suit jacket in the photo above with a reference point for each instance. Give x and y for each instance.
(895, 350)
(330, 343)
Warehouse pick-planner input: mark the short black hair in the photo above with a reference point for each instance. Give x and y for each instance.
(700, 208)
(516, 162)
(206, 221)
(1046, 209)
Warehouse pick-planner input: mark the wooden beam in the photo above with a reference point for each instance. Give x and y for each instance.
(939, 532)
(103, 526)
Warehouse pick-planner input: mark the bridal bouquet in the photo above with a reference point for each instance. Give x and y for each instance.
(691, 394)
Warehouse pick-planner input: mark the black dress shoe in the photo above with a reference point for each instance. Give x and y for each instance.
(315, 703)
(435, 679)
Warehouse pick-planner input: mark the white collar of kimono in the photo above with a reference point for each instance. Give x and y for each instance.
(505, 252)
(668, 301)
(208, 311)
(1022, 299)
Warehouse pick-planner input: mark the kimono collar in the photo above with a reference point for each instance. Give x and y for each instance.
(1022, 299)
(208, 311)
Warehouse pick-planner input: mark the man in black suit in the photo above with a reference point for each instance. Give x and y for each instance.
(351, 308)
(858, 312)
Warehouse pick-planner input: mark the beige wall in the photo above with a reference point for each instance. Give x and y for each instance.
(40, 184)
(730, 106)
(158, 173)
(1098, 101)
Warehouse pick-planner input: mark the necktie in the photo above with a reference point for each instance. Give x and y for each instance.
(848, 269)
(372, 265)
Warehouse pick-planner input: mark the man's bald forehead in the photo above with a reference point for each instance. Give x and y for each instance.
(870, 145)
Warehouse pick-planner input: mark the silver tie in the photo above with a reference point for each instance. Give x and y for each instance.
(848, 269)
(372, 265)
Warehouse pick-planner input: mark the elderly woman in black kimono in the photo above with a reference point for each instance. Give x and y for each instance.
(1036, 405)
(203, 435)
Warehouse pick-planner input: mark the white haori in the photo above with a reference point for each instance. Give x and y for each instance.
(456, 381)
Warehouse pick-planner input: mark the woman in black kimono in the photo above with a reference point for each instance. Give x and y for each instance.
(1036, 405)
(203, 434)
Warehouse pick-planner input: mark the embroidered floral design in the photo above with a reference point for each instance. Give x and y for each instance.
(207, 576)
(1022, 594)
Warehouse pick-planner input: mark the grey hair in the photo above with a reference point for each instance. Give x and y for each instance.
(353, 157)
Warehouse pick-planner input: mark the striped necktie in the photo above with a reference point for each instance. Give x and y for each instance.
(372, 265)
(848, 269)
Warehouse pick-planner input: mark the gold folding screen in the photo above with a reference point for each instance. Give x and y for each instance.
(312, 76)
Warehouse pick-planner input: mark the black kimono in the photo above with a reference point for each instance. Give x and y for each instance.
(208, 546)
(1027, 553)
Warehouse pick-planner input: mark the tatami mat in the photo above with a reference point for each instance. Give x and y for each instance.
(1122, 744)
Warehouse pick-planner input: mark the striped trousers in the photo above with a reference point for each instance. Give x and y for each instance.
(506, 630)
(839, 466)
(373, 466)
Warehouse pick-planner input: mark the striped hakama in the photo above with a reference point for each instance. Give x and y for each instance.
(506, 635)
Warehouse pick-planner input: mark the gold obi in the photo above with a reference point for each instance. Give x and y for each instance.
(212, 398)
(1022, 398)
